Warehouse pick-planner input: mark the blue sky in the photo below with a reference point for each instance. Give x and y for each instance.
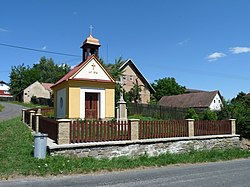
(202, 44)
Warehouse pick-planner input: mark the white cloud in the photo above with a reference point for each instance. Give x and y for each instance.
(215, 56)
(44, 47)
(3, 30)
(238, 50)
(183, 42)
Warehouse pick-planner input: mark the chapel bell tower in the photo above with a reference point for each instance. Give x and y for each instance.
(89, 47)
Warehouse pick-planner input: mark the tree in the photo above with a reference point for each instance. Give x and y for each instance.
(21, 77)
(114, 69)
(49, 71)
(134, 94)
(166, 87)
(116, 73)
(45, 71)
(238, 108)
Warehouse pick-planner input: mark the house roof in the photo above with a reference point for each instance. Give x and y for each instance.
(79, 67)
(138, 72)
(189, 100)
(4, 82)
(189, 90)
(47, 86)
(247, 95)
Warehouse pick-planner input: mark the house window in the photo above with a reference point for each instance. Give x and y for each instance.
(131, 77)
(214, 101)
(6, 92)
(124, 78)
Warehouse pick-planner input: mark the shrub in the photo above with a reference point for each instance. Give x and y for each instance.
(191, 114)
(209, 115)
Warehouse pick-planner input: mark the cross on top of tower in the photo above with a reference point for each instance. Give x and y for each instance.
(91, 29)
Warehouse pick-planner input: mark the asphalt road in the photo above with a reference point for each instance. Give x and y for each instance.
(10, 111)
(231, 173)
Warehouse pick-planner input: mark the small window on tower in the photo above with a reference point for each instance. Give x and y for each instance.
(131, 77)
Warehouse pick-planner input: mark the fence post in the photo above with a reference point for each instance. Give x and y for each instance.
(63, 131)
(39, 111)
(37, 122)
(190, 127)
(32, 113)
(134, 129)
(233, 126)
(23, 115)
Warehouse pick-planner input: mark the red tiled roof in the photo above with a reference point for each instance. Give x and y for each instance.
(47, 86)
(189, 100)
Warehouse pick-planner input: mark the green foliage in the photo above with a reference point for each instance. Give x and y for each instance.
(239, 109)
(209, 115)
(28, 105)
(114, 69)
(191, 114)
(45, 71)
(166, 87)
(134, 94)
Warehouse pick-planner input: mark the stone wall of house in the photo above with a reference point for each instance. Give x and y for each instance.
(158, 147)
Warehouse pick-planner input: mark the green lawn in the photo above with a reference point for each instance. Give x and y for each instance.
(1, 108)
(16, 156)
(28, 105)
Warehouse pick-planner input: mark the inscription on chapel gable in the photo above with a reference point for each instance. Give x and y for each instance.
(93, 70)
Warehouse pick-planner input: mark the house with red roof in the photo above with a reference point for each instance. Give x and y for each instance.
(88, 90)
(4, 90)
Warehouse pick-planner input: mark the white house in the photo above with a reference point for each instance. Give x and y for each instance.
(4, 89)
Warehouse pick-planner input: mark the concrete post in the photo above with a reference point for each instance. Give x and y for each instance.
(190, 127)
(32, 113)
(37, 122)
(121, 111)
(39, 111)
(134, 129)
(63, 131)
(233, 126)
(23, 115)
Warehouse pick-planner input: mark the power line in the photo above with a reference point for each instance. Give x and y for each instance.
(38, 50)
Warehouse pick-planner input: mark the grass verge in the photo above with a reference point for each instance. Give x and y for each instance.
(16, 156)
(28, 105)
(1, 108)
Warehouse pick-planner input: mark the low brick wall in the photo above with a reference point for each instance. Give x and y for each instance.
(152, 147)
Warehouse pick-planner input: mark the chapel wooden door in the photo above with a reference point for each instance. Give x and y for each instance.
(91, 105)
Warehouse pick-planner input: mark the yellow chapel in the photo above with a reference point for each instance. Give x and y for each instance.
(88, 90)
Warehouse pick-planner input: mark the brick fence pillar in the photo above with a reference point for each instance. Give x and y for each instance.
(190, 127)
(63, 131)
(233, 126)
(37, 122)
(134, 129)
(32, 113)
